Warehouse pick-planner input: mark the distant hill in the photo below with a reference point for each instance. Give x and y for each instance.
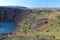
(14, 7)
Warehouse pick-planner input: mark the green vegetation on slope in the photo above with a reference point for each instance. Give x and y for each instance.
(34, 20)
(52, 33)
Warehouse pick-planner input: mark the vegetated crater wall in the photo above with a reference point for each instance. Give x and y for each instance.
(13, 14)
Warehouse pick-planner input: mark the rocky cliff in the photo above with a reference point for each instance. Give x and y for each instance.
(13, 13)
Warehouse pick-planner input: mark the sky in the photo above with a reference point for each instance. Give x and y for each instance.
(31, 3)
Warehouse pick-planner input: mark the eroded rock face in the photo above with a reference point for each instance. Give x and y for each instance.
(13, 13)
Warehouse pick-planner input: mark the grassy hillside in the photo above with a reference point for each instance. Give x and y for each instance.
(54, 29)
(51, 33)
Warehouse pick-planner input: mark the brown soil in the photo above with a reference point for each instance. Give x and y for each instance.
(20, 30)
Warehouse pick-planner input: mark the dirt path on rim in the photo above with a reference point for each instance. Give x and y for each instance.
(20, 30)
(43, 27)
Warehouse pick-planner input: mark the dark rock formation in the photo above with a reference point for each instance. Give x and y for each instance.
(13, 13)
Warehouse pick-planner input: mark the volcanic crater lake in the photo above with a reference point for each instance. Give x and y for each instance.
(7, 27)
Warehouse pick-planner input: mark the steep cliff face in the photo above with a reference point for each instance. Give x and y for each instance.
(11, 13)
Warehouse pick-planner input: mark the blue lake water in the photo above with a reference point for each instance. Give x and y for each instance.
(7, 27)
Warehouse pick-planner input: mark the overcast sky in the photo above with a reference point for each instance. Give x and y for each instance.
(31, 3)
